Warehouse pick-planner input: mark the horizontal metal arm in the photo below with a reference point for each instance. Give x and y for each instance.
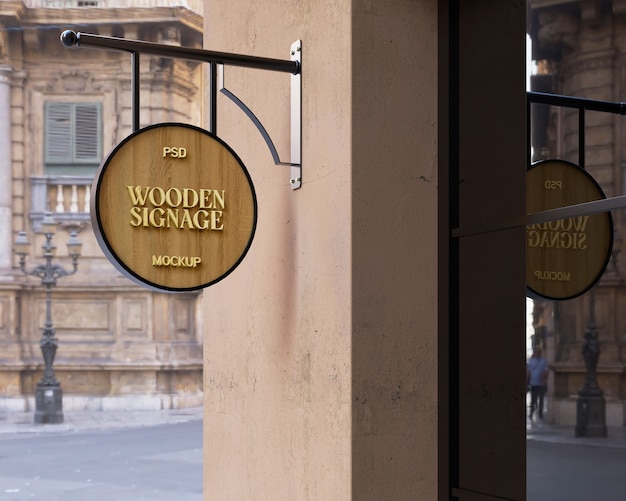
(569, 211)
(618, 108)
(72, 39)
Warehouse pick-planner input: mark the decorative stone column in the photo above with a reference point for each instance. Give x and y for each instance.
(5, 169)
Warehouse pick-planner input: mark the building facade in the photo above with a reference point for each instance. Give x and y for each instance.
(120, 346)
(580, 48)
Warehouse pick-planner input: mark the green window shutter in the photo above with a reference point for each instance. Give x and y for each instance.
(87, 134)
(58, 142)
(73, 134)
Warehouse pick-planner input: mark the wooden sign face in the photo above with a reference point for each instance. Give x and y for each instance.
(564, 258)
(174, 208)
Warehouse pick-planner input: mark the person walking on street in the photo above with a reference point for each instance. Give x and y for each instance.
(536, 381)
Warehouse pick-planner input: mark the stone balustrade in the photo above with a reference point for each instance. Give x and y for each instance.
(66, 197)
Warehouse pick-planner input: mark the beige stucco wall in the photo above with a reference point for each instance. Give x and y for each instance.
(320, 348)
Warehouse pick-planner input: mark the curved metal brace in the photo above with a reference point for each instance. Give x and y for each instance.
(296, 119)
(250, 115)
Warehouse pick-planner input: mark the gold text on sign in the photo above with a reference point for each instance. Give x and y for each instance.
(177, 261)
(562, 234)
(177, 197)
(174, 152)
(182, 208)
(556, 276)
(553, 184)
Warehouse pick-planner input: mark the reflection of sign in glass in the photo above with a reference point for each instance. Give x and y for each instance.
(564, 258)
(174, 208)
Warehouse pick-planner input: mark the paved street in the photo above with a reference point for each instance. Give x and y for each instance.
(155, 463)
(157, 456)
(567, 472)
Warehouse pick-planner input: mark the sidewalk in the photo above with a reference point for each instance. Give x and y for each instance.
(22, 422)
(542, 432)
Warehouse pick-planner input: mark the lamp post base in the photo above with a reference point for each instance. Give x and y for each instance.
(48, 405)
(590, 416)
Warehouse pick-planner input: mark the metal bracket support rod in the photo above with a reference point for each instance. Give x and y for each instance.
(71, 39)
(134, 86)
(213, 98)
(617, 108)
(569, 211)
(135, 90)
(296, 119)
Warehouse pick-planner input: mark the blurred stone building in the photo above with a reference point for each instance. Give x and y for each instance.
(580, 50)
(62, 111)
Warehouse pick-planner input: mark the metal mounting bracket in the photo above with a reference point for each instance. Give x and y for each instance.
(296, 118)
(293, 66)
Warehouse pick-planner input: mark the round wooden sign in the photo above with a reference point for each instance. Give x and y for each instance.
(174, 208)
(565, 258)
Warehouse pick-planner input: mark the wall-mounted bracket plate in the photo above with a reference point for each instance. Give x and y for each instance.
(296, 118)
(295, 179)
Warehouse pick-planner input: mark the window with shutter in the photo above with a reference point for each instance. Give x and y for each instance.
(73, 143)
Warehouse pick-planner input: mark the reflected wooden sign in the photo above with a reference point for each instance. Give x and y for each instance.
(566, 257)
(174, 208)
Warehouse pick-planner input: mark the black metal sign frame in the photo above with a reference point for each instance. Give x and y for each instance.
(581, 209)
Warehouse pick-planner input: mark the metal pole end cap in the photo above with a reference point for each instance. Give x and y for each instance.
(69, 38)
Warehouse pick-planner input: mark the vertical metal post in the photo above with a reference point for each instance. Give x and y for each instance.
(529, 154)
(134, 84)
(213, 98)
(581, 137)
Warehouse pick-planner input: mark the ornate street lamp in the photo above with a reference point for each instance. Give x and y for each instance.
(48, 394)
(590, 406)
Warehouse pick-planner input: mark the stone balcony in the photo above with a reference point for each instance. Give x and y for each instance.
(66, 197)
